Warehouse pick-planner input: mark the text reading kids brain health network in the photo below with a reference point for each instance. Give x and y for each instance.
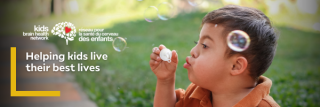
(61, 57)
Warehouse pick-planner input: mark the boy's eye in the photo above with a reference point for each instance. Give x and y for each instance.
(204, 46)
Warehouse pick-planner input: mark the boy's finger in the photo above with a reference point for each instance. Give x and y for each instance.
(156, 50)
(152, 62)
(174, 57)
(155, 57)
(161, 47)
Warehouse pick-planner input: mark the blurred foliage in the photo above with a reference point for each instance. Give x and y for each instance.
(106, 13)
(115, 6)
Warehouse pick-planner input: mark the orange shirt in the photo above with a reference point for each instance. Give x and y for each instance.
(196, 96)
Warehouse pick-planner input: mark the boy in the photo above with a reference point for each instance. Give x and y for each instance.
(221, 77)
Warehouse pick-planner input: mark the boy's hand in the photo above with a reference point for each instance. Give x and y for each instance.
(162, 69)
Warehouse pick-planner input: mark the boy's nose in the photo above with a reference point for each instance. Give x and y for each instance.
(193, 52)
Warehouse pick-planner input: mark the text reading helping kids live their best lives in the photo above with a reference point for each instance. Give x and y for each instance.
(61, 58)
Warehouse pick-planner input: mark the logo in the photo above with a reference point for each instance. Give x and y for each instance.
(65, 30)
(40, 33)
(41, 28)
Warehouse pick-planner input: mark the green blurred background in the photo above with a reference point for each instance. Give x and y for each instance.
(125, 78)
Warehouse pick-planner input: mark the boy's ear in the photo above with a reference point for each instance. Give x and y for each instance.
(239, 65)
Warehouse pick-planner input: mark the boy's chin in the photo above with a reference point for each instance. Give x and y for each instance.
(190, 76)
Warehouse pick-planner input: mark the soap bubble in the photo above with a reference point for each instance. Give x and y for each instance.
(119, 44)
(195, 2)
(150, 14)
(238, 40)
(165, 10)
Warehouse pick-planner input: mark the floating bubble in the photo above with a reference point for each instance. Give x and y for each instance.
(238, 40)
(195, 2)
(165, 55)
(150, 14)
(119, 44)
(165, 11)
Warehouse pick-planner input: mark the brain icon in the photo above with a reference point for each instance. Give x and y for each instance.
(65, 30)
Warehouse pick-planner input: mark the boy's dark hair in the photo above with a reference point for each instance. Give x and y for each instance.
(263, 44)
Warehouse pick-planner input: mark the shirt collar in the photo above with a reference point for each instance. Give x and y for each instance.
(203, 95)
(257, 94)
(252, 99)
(199, 93)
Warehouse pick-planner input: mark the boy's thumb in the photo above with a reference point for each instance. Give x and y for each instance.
(174, 57)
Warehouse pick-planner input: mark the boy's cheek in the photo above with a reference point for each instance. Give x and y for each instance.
(201, 67)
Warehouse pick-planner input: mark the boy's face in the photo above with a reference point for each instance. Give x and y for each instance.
(207, 63)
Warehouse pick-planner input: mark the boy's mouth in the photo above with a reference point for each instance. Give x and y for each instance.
(187, 64)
